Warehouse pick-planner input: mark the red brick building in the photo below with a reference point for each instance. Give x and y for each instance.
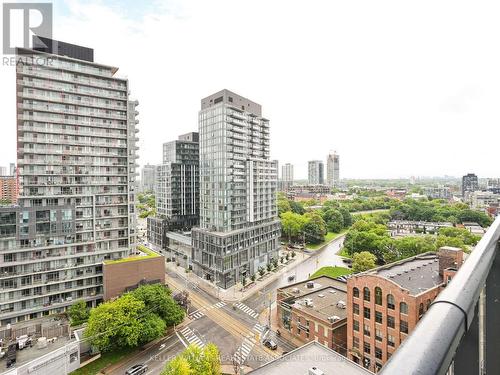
(386, 303)
(315, 310)
(126, 274)
(8, 189)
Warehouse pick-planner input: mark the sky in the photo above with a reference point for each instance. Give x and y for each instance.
(397, 88)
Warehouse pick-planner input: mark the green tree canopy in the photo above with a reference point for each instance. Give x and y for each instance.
(78, 313)
(194, 361)
(363, 261)
(158, 299)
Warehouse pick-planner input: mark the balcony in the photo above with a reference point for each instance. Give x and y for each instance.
(460, 333)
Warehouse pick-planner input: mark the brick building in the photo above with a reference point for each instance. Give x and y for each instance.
(8, 189)
(315, 310)
(386, 303)
(122, 275)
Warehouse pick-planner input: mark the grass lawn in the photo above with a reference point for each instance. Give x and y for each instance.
(330, 236)
(343, 253)
(105, 360)
(331, 271)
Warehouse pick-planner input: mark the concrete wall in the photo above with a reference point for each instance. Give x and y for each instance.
(122, 275)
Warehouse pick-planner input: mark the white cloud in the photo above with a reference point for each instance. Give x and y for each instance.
(380, 82)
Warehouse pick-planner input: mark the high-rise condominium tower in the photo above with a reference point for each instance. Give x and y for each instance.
(316, 174)
(239, 229)
(148, 178)
(76, 145)
(470, 183)
(332, 170)
(177, 182)
(177, 189)
(287, 175)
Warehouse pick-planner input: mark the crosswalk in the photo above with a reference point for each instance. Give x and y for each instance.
(192, 338)
(248, 343)
(201, 312)
(247, 310)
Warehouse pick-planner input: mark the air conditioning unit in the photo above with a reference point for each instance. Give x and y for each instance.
(310, 284)
(333, 319)
(308, 302)
(295, 290)
(341, 305)
(315, 371)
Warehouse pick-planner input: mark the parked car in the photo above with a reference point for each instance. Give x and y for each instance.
(268, 343)
(137, 369)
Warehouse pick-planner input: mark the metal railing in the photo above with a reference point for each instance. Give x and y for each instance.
(460, 333)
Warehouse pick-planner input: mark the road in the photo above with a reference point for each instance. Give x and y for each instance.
(234, 329)
(324, 257)
(155, 357)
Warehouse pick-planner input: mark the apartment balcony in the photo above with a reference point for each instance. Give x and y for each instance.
(460, 333)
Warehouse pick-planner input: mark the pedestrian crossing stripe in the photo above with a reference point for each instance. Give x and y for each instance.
(247, 310)
(192, 338)
(201, 312)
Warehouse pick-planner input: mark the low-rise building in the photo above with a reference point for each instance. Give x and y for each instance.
(438, 192)
(122, 275)
(315, 310)
(386, 303)
(311, 359)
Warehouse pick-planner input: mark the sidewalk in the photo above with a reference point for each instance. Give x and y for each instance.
(234, 293)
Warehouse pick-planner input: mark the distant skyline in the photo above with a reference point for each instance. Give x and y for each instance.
(398, 89)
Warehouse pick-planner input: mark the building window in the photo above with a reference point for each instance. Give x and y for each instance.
(390, 321)
(355, 325)
(390, 302)
(355, 342)
(366, 294)
(355, 292)
(378, 296)
(403, 326)
(378, 317)
(378, 367)
(420, 310)
(378, 335)
(378, 353)
(366, 330)
(355, 309)
(403, 308)
(366, 312)
(427, 304)
(366, 347)
(390, 340)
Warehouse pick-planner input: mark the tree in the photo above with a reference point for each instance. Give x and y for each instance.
(269, 267)
(283, 206)
(297, 208)
(346, 216)
(363, 261)
(261, 271)
(177, 366)
(334, 220)
(157, 298)
(194, 360)
(152, 327)
(116, 324)
(78, 313)
(292, 224)
(253, 277)
(243, 280)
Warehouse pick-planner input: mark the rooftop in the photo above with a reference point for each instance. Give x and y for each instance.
(144, 253)
(416, 274)
(301, 288)
(324, 303)
(311, 355)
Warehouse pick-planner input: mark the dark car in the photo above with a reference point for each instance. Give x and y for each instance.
(137, 369)
(268, 343)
